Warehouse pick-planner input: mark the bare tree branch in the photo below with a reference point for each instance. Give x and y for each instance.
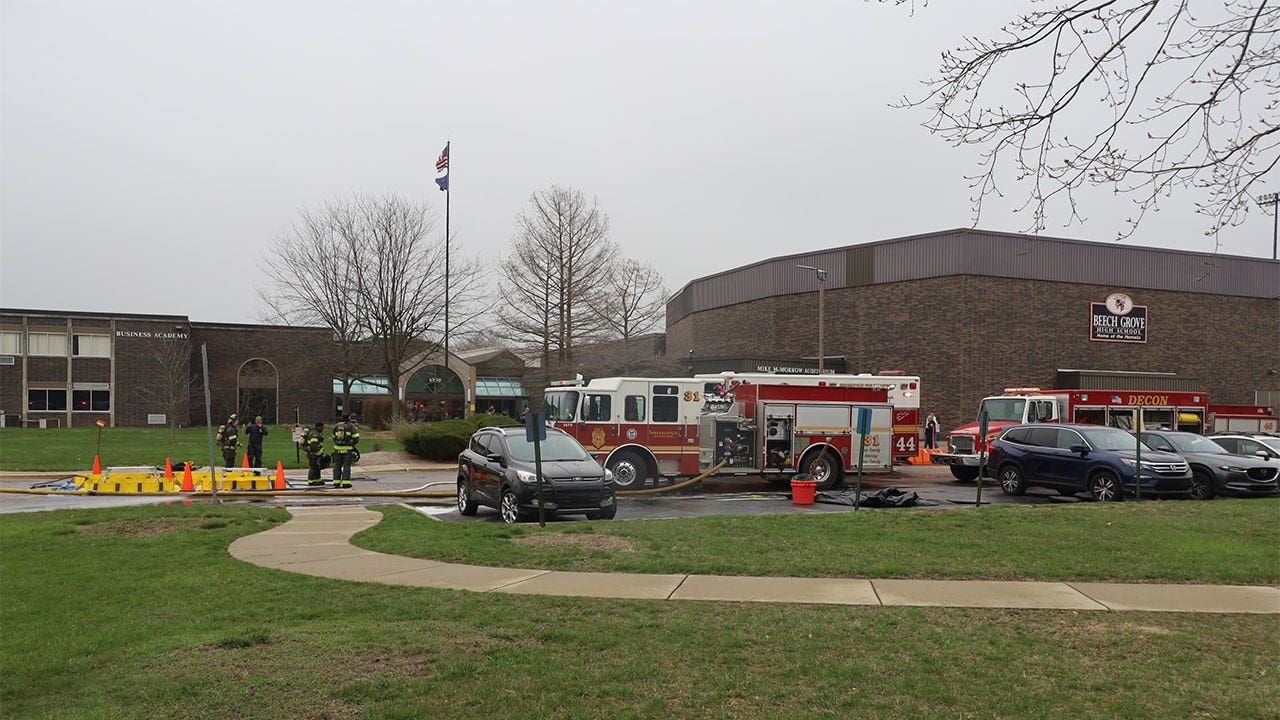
(1142, 95)
(633, 300)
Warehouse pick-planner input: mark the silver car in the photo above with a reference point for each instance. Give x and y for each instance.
(1214, 470)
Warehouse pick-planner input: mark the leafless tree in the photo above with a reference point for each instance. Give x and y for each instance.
(400, 280)
(171, 384)
(561, 255)
(312, 268)
(1140, 95)
(371, 269)
(632, 300)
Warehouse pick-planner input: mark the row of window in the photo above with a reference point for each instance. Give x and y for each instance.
(599, 408)
(81, 400)
(55, 344)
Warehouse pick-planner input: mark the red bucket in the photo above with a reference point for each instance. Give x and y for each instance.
(802, 491)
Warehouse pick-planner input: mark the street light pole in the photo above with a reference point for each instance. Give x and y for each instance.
(1272, 199)
(822, 287)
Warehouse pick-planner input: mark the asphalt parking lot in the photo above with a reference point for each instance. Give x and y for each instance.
(728, 496)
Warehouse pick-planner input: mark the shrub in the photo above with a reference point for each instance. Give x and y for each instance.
(375, 412)
(402, 428)
(487, 420)
(445, 439)
(441, 446)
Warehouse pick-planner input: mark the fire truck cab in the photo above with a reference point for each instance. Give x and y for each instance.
(1113, 408)
(643, 429)
(640, 428)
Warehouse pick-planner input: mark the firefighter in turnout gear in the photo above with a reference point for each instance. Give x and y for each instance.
(228, 439)
(313, 445)
(345, 437)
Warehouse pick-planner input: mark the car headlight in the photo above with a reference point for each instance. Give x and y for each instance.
(608, 475)
(1230, 468)
(526, 477)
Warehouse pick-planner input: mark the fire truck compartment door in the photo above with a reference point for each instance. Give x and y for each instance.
(823, 419)
(814, 422)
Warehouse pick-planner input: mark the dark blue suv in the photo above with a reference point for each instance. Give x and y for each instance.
(1083, 458)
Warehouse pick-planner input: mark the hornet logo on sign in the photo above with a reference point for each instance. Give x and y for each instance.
(1119, 303)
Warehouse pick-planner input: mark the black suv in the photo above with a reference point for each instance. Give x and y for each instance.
(497, 470)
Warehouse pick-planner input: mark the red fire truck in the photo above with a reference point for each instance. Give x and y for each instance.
(1243, 419)
(643, 429)
(903, 389)
(1114, 408)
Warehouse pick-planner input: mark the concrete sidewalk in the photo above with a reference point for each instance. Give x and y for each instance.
(316, 542)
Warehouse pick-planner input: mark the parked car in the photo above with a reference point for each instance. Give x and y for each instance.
(1213, 469)
(1265, 447)
(1083, 458)
(498, 470)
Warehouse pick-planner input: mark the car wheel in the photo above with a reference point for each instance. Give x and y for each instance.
(1201, 485)
(510, 508)
(1011, 480)
(823, 468)
(629, 470)
(466, 505)
(1104, 486)
(964, 473)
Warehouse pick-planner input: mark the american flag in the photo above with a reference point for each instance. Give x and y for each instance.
(443, 162)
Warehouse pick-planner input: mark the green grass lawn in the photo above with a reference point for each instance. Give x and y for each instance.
(1223, 541)
(140, 612)
(72, 449)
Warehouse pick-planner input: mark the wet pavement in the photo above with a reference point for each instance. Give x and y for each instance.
(718, 496)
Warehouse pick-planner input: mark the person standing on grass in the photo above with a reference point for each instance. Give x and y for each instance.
(931, 428)
(345, 437)
(228, 439)
(256, 432)
(313, 444)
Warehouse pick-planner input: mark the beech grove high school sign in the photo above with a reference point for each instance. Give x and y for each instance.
(1117, 320)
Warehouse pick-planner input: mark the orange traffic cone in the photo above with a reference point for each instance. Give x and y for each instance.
(246, 461)
(280, 484)
(97, 466)
(168, 468)
(188, 484)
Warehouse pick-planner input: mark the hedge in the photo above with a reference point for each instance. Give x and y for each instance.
(444, 440)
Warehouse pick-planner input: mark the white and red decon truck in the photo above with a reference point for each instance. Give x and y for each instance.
(1113, 408)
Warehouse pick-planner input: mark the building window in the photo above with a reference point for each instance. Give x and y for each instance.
(91, 345)
(39, 343)
(10, 343)
(51, 400)
(91, 400)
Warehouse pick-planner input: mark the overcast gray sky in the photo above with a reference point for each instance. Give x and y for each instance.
(150, 150)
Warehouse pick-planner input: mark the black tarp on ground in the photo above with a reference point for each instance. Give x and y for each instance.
(888, 497)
